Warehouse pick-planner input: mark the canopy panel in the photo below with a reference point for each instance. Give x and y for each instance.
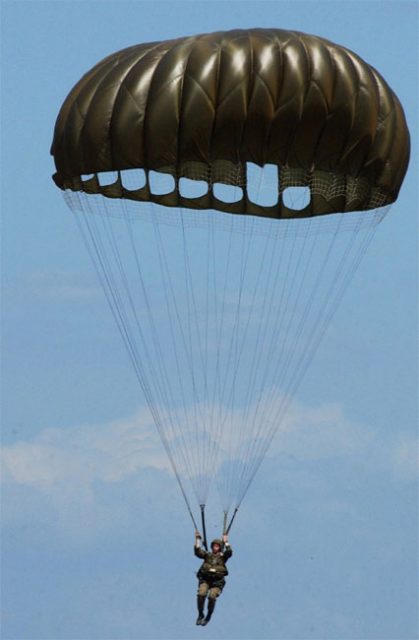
(201, 107)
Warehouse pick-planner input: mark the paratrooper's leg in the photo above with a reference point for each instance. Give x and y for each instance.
(213, 594)
(202, 593)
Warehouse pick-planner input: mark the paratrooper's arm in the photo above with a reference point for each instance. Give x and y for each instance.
(199, 552)
(227, 551)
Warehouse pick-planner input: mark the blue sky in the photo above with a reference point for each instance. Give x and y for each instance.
(96, 541)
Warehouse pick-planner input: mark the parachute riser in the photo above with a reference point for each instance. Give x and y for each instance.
(204, 530)
(227, 531)
(225, 523)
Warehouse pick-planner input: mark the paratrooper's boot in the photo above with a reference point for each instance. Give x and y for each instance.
(200, 603)
(211, 607)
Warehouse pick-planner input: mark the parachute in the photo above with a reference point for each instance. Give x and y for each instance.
(227, 186)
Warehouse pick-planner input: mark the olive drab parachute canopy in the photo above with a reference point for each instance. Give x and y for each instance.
(201, 107)
(221, 314)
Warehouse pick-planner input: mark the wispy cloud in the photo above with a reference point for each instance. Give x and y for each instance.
(84, 454)
(112, 452)
(53, 285)
(406, 458)
(65, 286)
(321, 432)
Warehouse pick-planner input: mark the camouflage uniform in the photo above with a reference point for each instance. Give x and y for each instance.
(211, 575)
